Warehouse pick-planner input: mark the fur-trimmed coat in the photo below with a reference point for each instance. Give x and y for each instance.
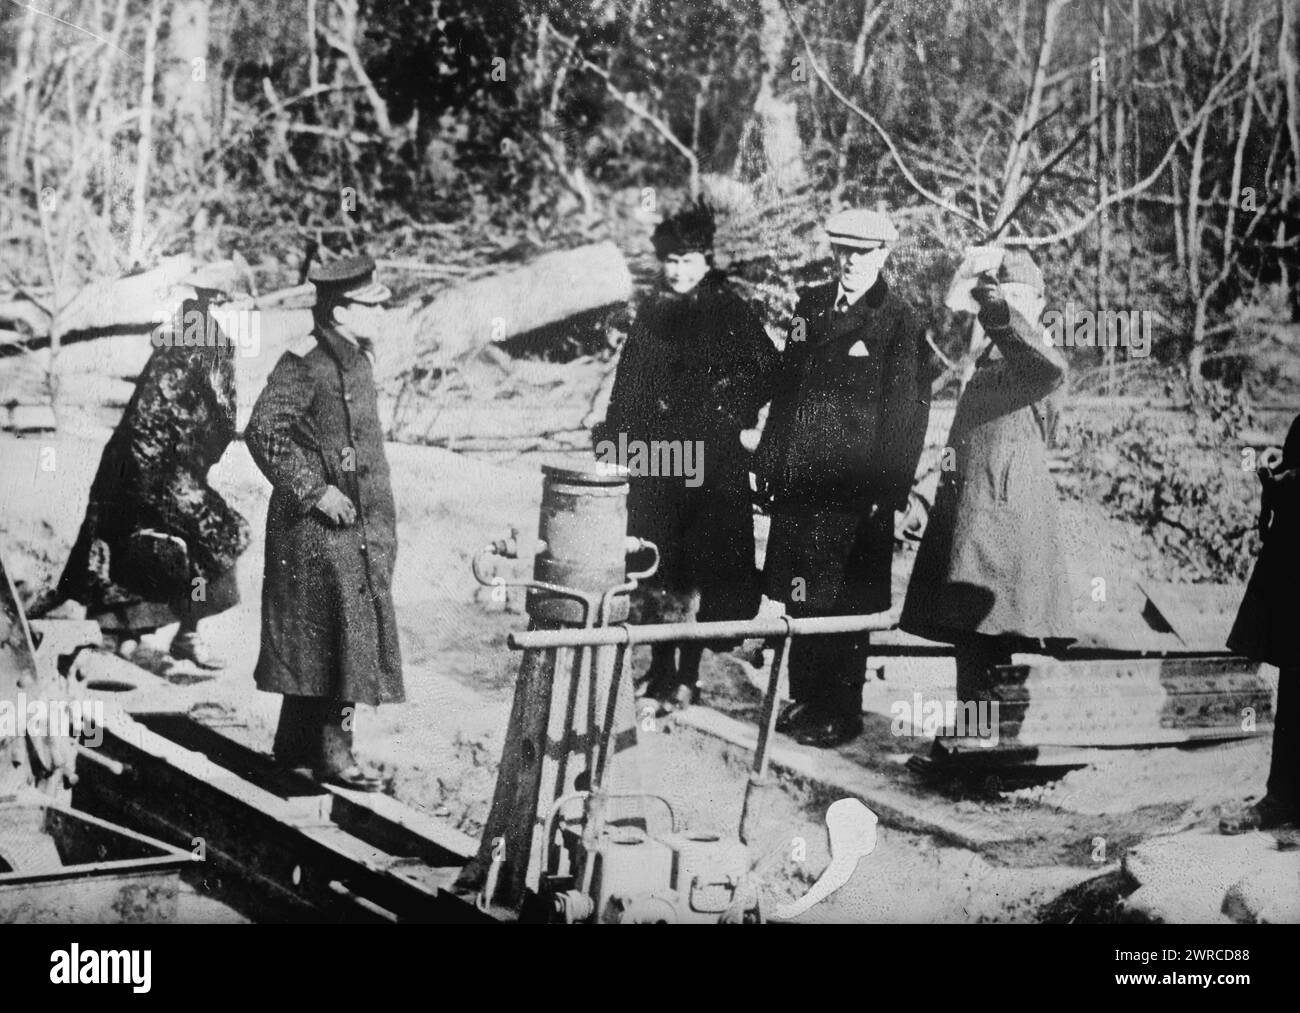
(695, 367)
(153, 474)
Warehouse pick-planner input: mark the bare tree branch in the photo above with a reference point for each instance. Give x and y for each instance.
(1212, 102)
(635, 107)
(871, 121)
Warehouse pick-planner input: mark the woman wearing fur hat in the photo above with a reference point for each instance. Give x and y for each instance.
(158, 544)
(693, 373)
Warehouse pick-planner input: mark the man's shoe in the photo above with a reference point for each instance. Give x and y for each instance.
(1269, 813)
(792, 717)
(678, 699)
(828, 733)
(355, 777)
(191, 647)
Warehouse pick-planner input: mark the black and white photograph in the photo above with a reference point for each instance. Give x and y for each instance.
(605, 462)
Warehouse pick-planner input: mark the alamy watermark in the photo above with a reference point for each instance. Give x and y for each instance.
(210, 328)
(83, 719)
(1082, 328)
(653, 459)
(974, 719)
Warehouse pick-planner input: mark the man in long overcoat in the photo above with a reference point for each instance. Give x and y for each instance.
(990, 575)
(693, 373)
(329, 631)
(158, 545)
(837, 458)
(1265, 630)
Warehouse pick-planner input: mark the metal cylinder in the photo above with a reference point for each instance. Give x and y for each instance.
(583, 525)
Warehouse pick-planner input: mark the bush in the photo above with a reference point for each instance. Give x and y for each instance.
(1177, 477)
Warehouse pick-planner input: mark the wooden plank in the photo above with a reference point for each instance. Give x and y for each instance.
(173, 787)
(1129, 701)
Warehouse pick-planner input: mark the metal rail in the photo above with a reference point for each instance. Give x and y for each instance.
(663, 633)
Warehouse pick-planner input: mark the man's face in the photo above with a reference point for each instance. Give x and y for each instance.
(362, 319)
(683, 271)
(859, 267)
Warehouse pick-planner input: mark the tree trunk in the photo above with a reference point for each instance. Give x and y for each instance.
(189, 99)
(19, 89)
(1013, 171)
(777, 157)
(144, 149)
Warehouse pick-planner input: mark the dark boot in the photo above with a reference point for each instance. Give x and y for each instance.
(1284, 767)
(661, 676)
(338, 766)
(297, 735)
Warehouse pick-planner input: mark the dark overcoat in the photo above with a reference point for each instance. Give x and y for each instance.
(153, 475)
(840, 449)
(1266, 625)
(328, 624)
(992, 560)
(695, 367)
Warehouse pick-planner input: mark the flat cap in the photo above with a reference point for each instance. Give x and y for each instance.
(860, 227)
(352, 277)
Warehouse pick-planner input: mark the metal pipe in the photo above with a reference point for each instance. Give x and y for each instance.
(663, 633)
(365, 903)
(94, 756)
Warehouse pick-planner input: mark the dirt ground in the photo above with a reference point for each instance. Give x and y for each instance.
(442, 747)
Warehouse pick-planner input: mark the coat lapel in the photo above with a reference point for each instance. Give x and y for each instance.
(860, 313)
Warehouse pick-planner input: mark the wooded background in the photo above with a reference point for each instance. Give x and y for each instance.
(1146, 151)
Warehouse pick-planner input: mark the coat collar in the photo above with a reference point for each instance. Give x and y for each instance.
(835, 326)
(869, 300)
(344, 352)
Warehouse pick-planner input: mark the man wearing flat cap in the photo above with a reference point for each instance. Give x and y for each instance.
(837, 458)
(329, 632)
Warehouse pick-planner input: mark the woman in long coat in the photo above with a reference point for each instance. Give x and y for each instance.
(1265, 631)
(990, 575)
(696, 368)
(158, 545)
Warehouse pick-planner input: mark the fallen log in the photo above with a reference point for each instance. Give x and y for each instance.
(485, 399)
(463, 318)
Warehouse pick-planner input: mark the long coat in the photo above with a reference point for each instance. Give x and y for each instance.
(328, 624)
(1265, 628)
(840, 449)
(695, 367)
(153, 474)
(991, 560)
